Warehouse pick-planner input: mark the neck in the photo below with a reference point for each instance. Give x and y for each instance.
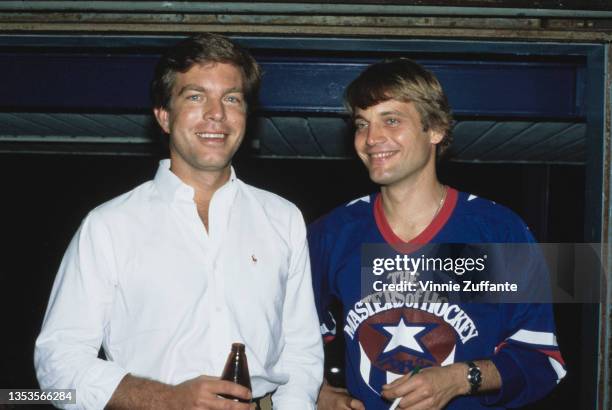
(204, 184)
(412, 205)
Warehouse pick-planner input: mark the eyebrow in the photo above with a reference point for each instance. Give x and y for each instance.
(392, 112)
(191, 87)
(382, 114)
(195, 87)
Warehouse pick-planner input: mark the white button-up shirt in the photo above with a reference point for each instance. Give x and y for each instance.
(166, 299)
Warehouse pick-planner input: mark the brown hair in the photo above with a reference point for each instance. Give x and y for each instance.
(202, 49)
(404, 80)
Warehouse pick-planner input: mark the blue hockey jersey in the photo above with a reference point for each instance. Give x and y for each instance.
(383, 343)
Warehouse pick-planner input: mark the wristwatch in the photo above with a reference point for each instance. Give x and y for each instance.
(474, 377)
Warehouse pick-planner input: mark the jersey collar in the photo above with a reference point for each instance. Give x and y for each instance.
(427, 234)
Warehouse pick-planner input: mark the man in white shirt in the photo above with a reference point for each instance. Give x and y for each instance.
(167, 276)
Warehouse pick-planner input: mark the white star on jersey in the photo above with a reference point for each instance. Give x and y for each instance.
(402, 335)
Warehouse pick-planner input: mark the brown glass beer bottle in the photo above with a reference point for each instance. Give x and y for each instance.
(237, 370)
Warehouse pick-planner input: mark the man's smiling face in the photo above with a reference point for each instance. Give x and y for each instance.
(206, 118)
(390, 140)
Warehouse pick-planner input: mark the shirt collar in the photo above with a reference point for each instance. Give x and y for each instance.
(172, 187)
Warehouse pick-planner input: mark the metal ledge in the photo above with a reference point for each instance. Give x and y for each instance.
(293, 8)
(314, 30)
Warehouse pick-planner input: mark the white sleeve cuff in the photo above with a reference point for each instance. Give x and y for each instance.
(99, 384)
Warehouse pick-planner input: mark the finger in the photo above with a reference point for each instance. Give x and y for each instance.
(230, 389)
(402, 389)
(416, 400)
(356, 405)
(396, 382)
(219, 403)
(340, 401)
(400, 380)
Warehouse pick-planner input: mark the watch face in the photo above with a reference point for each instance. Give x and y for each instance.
(474, 376)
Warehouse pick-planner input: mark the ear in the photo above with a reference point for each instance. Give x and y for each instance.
(435, 136)
(162, 116)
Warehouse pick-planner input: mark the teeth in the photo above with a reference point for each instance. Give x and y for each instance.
(209, 135)
(381, 154)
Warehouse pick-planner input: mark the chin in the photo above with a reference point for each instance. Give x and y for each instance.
(381, 180)
(211, 166)
(213, 161)
(380, 177)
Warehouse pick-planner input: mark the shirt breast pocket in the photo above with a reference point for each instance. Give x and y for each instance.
(163, 275)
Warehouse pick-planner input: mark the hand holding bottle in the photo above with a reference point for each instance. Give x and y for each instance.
(204, 392)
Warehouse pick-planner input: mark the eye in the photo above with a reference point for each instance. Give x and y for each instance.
(233, 99)
(392, 121)
(360, 125)
(195, 97)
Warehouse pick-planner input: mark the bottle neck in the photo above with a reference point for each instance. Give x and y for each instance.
(238, 348)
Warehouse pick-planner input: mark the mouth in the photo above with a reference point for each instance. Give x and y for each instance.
(381, 155)
(210, 135)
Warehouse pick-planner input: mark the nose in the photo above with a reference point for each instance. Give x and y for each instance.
(375, 134)
(214, 110)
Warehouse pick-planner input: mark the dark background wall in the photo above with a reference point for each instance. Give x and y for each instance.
(44, 198)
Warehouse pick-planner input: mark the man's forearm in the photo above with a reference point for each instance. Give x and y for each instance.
(138, 393)
(439, 385)
(201, 392)
(491, 379)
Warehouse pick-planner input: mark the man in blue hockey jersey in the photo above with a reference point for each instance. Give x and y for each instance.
(422, 354)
